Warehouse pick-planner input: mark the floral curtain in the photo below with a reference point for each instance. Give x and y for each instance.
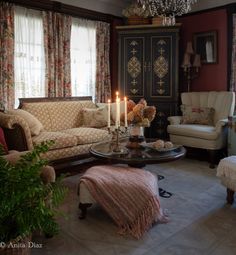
(103, 79)
(57, 33)
(233, 61)
(7, 54)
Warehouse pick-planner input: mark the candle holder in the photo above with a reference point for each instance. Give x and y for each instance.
(116, 139)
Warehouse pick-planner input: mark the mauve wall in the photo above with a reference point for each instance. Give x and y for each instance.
(212, 76)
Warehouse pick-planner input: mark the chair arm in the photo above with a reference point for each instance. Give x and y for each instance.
(47, 172)
(175, 120)
(220, 124)
(17, 132)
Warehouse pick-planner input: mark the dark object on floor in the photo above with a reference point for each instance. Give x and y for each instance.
(160, 177)
(164, 193)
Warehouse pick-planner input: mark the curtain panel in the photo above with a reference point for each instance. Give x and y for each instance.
(7, 54)
(83, 57)
(103, 79)
(233, 58)
(57, 33)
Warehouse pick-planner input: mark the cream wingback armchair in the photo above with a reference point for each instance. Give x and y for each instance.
(212, 136)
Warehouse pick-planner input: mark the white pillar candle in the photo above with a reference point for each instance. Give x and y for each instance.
(118, 112)
(126, 122)
(116, 124)
(109, 114)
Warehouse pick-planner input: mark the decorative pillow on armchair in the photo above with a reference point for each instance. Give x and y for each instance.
(95, 117)
(197, 115)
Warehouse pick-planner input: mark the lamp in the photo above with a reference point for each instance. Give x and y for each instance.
(191, 64)
(168, 9)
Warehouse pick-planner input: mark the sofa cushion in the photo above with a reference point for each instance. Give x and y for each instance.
(61, 115)
(95, 117)
(197, 131)
(35, 125)
(88, 135)
(197, 115)
(113, 109)
(62, 140)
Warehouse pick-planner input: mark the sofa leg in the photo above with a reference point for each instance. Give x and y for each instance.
(230, 196)
(83, 209)
(212, 158)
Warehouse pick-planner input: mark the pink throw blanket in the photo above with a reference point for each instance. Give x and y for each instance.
(128, 195)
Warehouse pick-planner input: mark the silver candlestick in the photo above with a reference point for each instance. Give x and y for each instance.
(116, 138)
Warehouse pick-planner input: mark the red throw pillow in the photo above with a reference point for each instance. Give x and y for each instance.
(3, 141)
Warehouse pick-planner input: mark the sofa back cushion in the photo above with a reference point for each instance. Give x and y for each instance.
(222, 102)
(58, 115)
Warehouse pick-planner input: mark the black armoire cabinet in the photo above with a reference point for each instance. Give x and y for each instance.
(148, 68)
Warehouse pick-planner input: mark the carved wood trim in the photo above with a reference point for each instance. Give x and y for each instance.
(51, 99)
(64, 8)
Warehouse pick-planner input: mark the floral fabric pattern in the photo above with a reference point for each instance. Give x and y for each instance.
(103, 79)
(57, 32)
(7, 54)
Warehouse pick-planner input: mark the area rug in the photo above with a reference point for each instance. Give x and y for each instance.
(200, 220)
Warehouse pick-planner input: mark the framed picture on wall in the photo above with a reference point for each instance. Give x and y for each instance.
(205, 44)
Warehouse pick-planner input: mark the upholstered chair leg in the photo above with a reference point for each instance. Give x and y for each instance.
(212, 158)
(83, 209)
(230, 196)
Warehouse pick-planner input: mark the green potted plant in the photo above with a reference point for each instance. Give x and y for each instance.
(27, 204)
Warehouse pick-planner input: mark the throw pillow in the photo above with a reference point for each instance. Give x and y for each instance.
(3, 141)
(113, 109)
(35, 125)
(197, 115)
(95, 117)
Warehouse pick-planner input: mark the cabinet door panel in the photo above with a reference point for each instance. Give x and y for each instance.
(163, 68)
(132, 66)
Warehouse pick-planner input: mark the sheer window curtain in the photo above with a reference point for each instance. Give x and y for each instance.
(83, 57)
(29, 54)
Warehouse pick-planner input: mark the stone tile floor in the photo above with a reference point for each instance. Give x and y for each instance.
(201, 222)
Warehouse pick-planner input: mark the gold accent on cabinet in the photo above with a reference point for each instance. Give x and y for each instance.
(134, 67)
(134, 91)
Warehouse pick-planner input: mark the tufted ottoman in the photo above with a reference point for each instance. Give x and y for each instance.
(226, 171)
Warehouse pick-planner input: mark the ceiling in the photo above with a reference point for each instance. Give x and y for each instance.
(115, 6)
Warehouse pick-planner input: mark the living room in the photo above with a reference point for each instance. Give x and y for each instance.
(117, 127)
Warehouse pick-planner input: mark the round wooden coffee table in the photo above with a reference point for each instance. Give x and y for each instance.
(135, 157)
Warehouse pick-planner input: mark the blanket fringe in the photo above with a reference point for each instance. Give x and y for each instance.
(150, 214)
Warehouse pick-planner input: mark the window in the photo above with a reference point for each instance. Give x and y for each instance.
(29, 62)
(83, 57)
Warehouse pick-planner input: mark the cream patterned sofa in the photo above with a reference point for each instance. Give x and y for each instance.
(211, 137)
(61, 121)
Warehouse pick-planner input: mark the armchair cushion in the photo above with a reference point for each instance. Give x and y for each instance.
(197, 115)
(198, 131)
(34, 124)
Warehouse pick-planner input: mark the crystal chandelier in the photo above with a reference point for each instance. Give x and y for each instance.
(168, 9)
